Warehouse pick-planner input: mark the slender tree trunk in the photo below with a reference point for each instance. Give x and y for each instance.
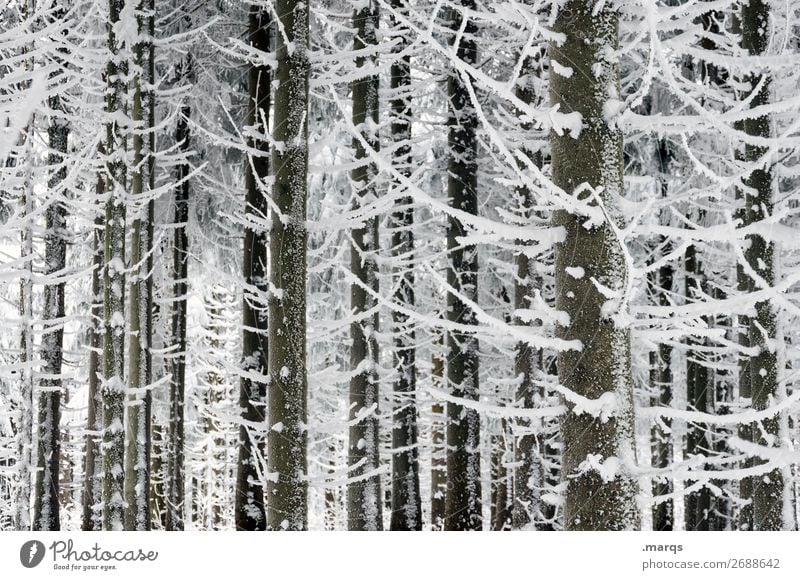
(438, 445)
(287, 489)
(406, 501)
(364, 501)
(214, 473)
(46, 515)
(744, 285)
(92, 467)
(463, 497)
(661, 370)
(25, 443)
(25, 434)
(697, 503)
(249, 509)
(501, 480)
(600, 492)
(529, 447)
(113, 387)
(661, 433)
(137, 452)
(158, 477)
(767, 489)
(177, 430)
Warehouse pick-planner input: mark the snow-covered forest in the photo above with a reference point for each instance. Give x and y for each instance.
(399, 264)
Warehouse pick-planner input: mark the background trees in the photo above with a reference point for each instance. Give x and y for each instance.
(286, 265)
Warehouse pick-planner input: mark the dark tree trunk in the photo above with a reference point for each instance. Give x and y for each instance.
(249, 509)
(46, 515)
(438, 445)
(767, 490)
(113, 387)
(364, 498)
(406, 501)
(176, 497)
(463, 497)
(287, 489)
(92, 472)
(598, 498)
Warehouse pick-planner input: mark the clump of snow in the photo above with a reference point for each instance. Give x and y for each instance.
(607, 468)
(575, 271)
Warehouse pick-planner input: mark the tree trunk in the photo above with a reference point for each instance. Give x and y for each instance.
(249, 509)
(501, 480)
(177, 435)
(46, 516)
(406, 501)
(22, 516)
(287, 488)
(113, 387)
(661, 384)
(600, 492)
(697, 503)
(92, 467)
(213, 482)
(463, 497)
(364, 500)
(137, 452)
(529, 448)
(158, 477)
(438, 446)
(767, 489)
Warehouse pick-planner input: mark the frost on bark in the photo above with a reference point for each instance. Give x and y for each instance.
(287, 486)
(46, 508)
(22, 495)
(600, 493)
(438, 446)
(768, 489)
(660, 376)
(137, 449)
(364, 499)
(406, 501)
(249, 502)
(92, 464)
(180, 264)
(698, 392)
(501, 478)
(529, 448)
(113, 387)
(25, 404)
(463, 497)
(46, 512)
(214, 479)
(700, 503)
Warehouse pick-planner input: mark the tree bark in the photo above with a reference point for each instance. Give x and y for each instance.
(529, 447)
(287, 487)
(249, 508)
(600, 491)
(463, 497)
(364, 499)
(177, 432)
(438, 444)
(406, 501)
(113, 387)
(92, 467)
(46, 509)
(767, 489)
(46, 516)
(697, 503)
(137, 451)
